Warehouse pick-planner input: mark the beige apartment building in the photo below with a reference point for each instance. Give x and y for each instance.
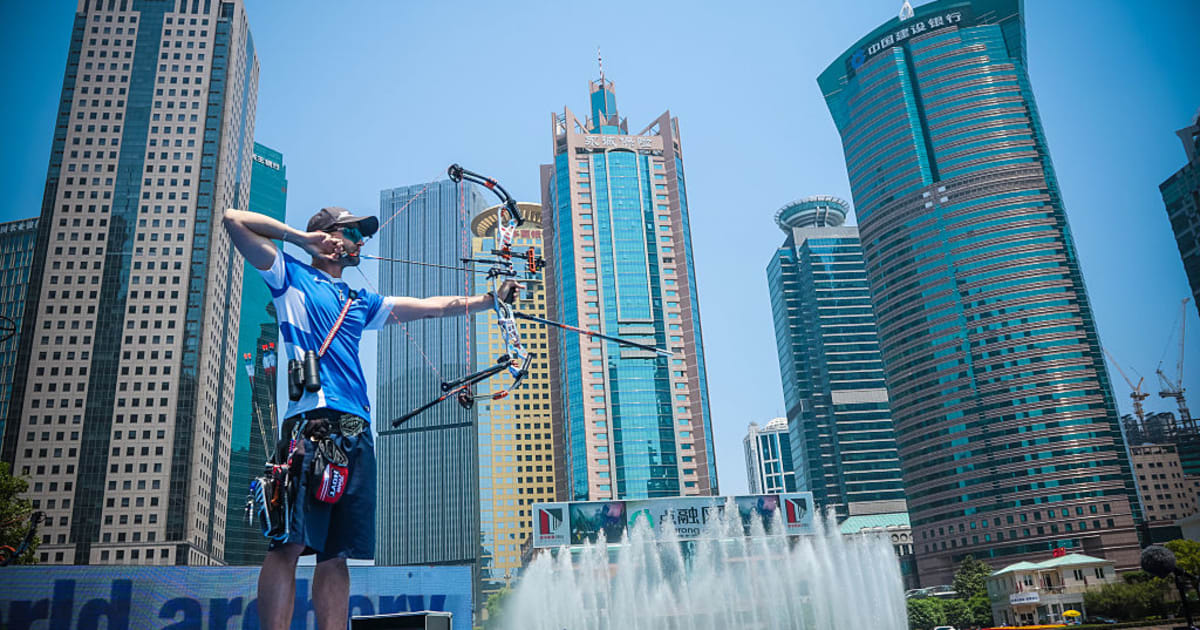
(516, 460)
(121, 409)
(1167, 494)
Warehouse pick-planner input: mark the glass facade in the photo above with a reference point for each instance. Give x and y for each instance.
(838, 415)
(628, 423)
(17, 239)
(768, 452)
(1181, 195)
(428, 477)
(255, 412)
(1008, 433)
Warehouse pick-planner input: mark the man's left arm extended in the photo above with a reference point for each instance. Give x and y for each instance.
(407, 309)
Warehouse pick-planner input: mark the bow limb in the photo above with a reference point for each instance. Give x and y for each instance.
(455, 387)
(458, 174)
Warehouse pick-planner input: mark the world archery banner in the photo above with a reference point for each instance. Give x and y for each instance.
(576, 523)
(178, 598)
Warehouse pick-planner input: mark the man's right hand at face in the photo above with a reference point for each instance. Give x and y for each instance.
(321, 245)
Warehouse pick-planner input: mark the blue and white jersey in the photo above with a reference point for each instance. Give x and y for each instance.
(307, 303)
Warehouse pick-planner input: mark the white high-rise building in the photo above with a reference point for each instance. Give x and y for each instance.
(769, 468)
(121, 408)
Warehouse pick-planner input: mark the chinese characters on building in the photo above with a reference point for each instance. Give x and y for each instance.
(618, 142)
(691, 515)
(267, 163)
(909, 29)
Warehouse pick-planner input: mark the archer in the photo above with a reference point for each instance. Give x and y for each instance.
(326, 453)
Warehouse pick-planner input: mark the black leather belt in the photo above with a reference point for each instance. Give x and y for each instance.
(347, 424)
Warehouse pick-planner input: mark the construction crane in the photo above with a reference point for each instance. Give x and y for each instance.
(1136, 394)
(1174, 389)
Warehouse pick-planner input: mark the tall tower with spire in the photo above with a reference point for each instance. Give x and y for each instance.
(627, 423)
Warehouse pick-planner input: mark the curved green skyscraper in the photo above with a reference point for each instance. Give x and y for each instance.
(1004, 415)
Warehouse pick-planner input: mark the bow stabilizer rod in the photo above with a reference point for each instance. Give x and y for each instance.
(458, 386)
(592, 333)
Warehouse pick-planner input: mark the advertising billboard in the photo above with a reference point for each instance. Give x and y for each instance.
(575, 523)
(178, 598)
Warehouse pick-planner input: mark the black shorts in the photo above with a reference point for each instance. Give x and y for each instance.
(345, 529)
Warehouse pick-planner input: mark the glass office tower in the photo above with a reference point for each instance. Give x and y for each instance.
(1181, 195)
(839, 422)
(122, 400)
(1004, 415)
(628, 423)
(255, 409)
(428, 476)
(17, 239)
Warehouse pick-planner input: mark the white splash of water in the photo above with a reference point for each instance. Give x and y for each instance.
(825, 581)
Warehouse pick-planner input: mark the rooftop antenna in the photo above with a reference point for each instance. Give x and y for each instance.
(600, 62)
(906, 11)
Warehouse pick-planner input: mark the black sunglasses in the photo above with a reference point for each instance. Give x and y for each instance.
(351, 232)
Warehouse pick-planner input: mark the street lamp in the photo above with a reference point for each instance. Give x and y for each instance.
(1160, 562)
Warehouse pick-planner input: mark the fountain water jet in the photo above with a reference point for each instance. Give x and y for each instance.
(722, 581)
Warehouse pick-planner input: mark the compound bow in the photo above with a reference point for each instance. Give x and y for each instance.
(503, 265)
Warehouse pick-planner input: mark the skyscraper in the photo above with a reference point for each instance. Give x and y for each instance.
(1168, 494)
(628, 423)
(255, 412)
(122, 406)
(516, 462)
(768, 454)
(17, 240)
(1181, 194)
(428, 507)
(1004, 414)
(838, 417)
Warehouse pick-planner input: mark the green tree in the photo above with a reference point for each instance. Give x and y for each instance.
(1136, 577)
(14, 516)
(1133, 600)
(1187, 554)
(970, 580)
(925, 613)
(957, 613)
(495, 607)
(980, 608)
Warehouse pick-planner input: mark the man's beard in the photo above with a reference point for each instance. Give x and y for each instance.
(350, 260)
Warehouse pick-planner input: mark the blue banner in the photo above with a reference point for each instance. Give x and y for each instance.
(208, 598)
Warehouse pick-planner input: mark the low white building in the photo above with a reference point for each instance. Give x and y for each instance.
(896, 526)
(1040, 592)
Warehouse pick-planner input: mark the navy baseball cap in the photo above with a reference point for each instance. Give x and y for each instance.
(333, 216)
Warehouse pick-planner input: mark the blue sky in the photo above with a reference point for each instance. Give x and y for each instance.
(362, 96)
